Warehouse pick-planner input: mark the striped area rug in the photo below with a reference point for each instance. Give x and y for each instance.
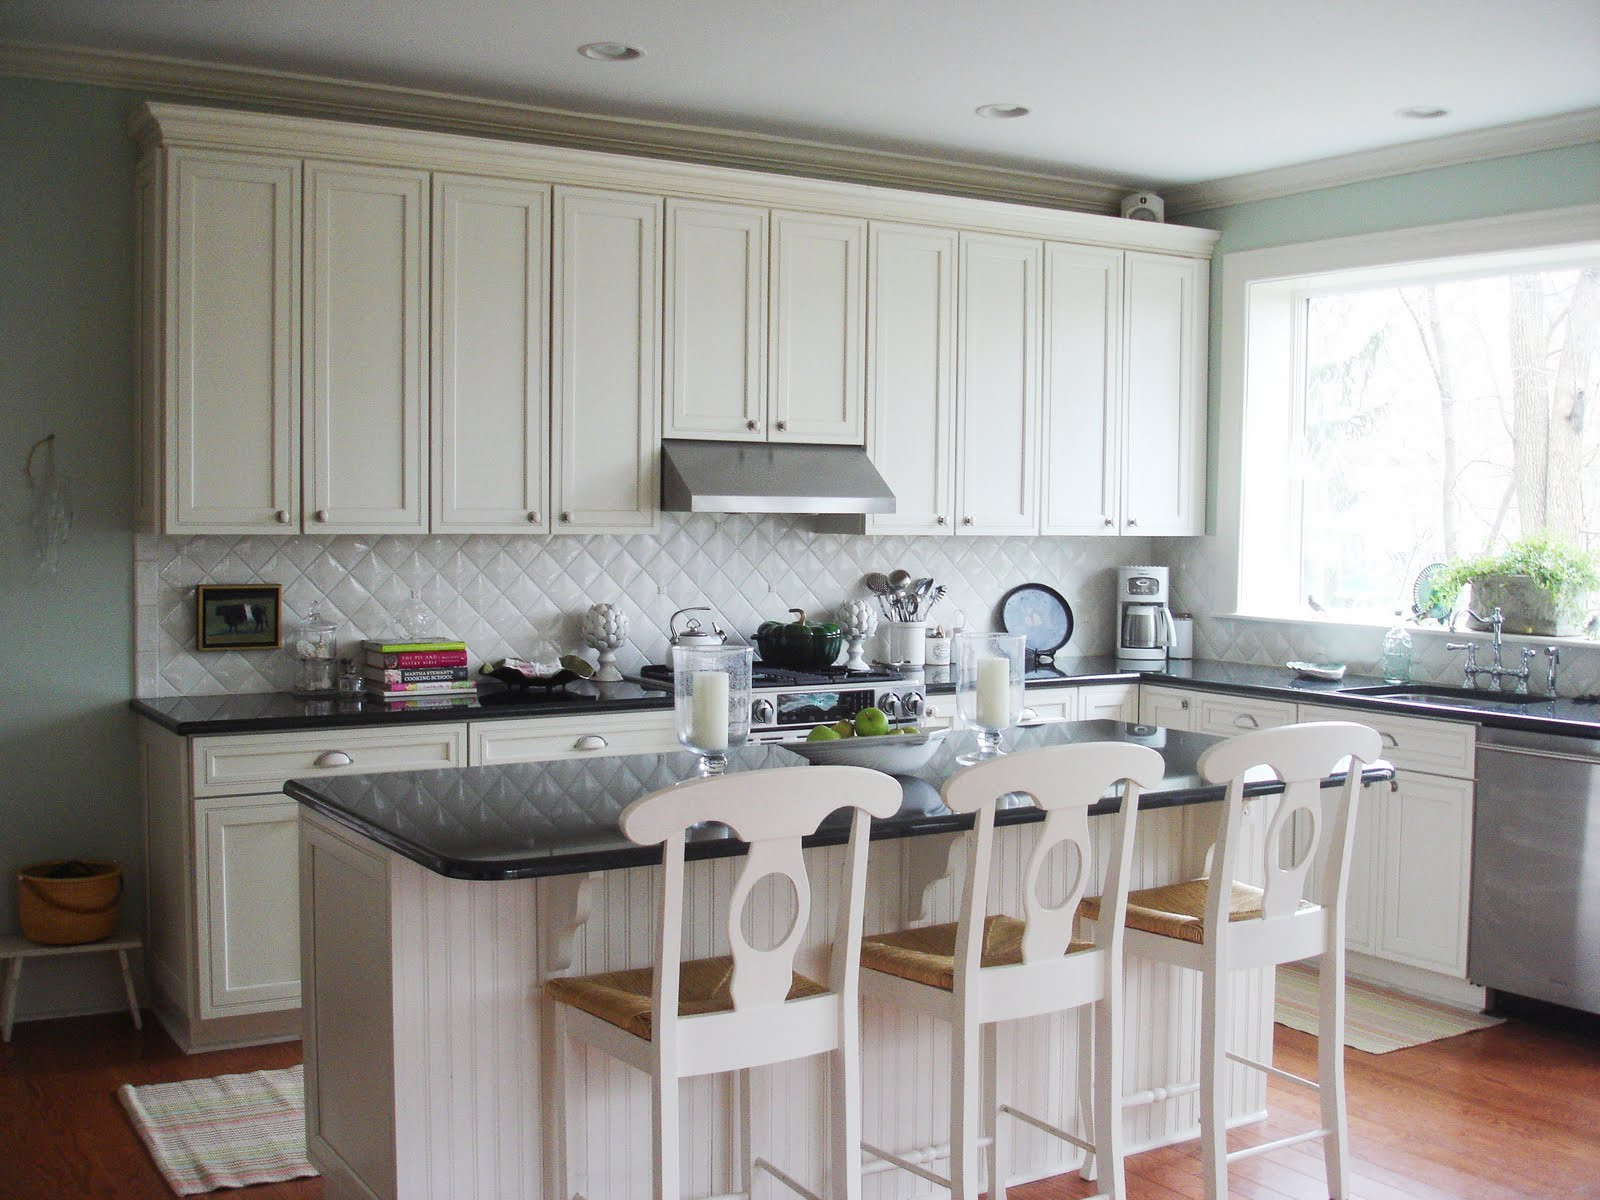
(225, 1132)
(1376, 1021)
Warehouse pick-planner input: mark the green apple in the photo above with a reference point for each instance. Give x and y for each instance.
(843, 728)
(823, 733)
(872, 722)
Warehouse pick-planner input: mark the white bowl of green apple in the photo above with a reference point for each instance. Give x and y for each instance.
(870, 741)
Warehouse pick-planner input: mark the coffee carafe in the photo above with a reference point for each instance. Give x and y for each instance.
(1144, 622)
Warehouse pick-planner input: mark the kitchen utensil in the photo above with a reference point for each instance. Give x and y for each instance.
(692, 633)
(1041, 615)
(898, 579)
(799, 645)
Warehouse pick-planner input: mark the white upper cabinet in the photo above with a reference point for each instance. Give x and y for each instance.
(491, 356)
(716, 322)
(997, 401)
(1164, 317)
(365, 349)
(606, 361)
(911, 364)
(1082, 394)
(231, 377)
(817, 375)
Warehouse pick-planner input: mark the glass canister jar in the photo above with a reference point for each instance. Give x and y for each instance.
(316, 655)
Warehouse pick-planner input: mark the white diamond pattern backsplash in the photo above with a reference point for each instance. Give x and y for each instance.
(505, 596)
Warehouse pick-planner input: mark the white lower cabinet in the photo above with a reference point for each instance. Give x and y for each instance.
(1088, 702)
(222, 870)
(1168, 707)
(249, 901)
(544, 738)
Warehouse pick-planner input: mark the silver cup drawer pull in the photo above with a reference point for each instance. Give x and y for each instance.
(334, 758)
(1390, 740)
(1246, 721)
(590, 741)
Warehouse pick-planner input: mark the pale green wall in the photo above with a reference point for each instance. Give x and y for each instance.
(66, 737)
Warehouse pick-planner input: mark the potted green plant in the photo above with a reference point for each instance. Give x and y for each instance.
(1540, 583)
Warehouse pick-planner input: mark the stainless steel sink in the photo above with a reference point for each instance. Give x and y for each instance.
(1439, 696)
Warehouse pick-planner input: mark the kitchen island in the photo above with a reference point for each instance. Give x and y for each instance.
(435, 904)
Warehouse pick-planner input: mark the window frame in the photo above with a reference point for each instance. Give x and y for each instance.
(1265, 295)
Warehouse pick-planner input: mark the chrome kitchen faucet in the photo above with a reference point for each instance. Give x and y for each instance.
(1498, 670)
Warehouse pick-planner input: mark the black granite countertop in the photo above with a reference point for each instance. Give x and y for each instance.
(276, 712)
(283, 712)
(560, 818)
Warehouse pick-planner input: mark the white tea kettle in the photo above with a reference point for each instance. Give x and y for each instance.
(693, 634)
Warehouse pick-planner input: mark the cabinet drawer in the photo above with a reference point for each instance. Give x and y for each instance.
(1226, 716)
(1109, 702)
(1049, 704)
(543, 738)
(225, 766)
(1411, 743)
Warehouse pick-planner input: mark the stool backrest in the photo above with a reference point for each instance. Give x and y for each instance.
(1301, 756)
(1064, 781)
(770, 811)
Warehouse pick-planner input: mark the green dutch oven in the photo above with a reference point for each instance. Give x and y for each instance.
(799, 645)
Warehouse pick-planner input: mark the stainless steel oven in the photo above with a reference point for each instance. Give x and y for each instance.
(786, 705)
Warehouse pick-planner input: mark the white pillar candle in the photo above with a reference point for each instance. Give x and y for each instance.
(708, 714)
(994, 692)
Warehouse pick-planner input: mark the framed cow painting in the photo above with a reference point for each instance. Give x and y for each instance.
(238, 616)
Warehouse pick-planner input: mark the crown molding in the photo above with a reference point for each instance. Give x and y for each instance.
(1522, 137)
(314, 95)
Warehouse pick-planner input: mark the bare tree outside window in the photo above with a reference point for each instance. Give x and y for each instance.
(1441, 420)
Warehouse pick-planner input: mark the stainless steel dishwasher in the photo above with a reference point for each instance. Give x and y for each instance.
(1535, 923)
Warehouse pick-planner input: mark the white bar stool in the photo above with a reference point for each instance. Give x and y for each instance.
(982, 969)
(1216, 930)
(677, 1020)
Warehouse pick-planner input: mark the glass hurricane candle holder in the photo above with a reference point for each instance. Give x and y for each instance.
(989, 679)
(711, 701)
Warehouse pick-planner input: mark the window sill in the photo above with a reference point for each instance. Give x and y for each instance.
(1470, 635)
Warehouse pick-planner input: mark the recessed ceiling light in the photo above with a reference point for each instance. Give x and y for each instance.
(1001, 112)
(1423, 112)
(610, 51)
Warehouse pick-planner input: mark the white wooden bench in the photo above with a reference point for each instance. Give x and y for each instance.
(15, 950)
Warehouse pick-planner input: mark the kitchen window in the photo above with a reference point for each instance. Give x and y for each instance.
(1396, 414)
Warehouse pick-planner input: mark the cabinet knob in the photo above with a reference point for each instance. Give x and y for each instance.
(966, 520)
(566, 518)
(281, 516)
(590, 741)
(1131, 522)
(782, 425)
(943, 520)
(322, 515)
(1109, 522)
(334, 758)
(534, 517)
(752, 425)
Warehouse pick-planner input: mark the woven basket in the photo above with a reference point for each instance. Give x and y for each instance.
(72, 910)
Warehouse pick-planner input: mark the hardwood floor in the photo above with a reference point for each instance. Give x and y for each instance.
(1510, 1113)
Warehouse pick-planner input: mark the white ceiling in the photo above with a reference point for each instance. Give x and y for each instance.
(1156, 94)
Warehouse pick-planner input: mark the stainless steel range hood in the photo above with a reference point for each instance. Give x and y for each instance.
(758, 477)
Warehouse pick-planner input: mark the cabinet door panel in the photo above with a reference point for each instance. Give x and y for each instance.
(491, 402)
(1082, 343)
(250, 901)
(1164, 307)
(233, 362)
(606, 355)
(1365, 871)
(911, 359)
(715, 377)
(1427, 856)
(818, 285)
(365, 355)
(1109, 702)
(1165, 706)
(998, 395)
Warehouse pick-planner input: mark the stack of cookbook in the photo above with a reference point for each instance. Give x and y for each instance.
(412, 670)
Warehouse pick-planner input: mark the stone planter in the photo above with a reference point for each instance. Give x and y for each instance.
(1526, 606)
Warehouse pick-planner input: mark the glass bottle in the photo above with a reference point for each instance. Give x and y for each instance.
(1395, 666)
